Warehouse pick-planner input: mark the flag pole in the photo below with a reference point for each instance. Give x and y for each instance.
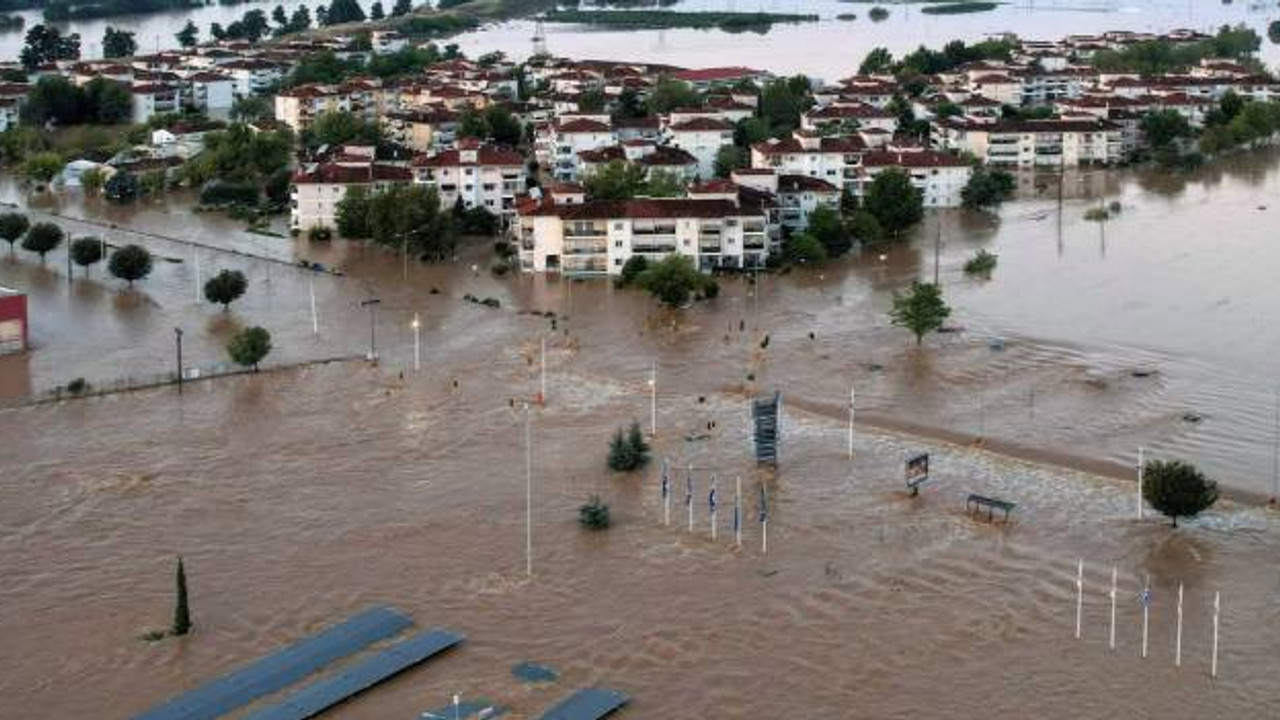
(196, 253)
(653, 399)
(1146, 612)
(528, 493)
(712, 505)
(1177, 646)
(688, 496)
(1141, 469)
(666, 495)
(764, 521)
(1079, 595)
(1113, 607)
(542, 391)
(852, 400)
(737, 513)
(315, 320)
(1217, 608)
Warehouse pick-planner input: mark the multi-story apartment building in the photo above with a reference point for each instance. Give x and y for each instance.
(252, 76)
(645, 153)
(297, 107)
(797, 195)
(482, 176)
(562, 141)
(833, 159)
(150, 99)
(318, 188)
(422, 130)
(940, 177)
(1055, 142)
(565, 233)
(702, 138)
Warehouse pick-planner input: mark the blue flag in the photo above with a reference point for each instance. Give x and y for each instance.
(737, 513)
(764, 506)
(688, 489)
(666, 483)
(711, 498)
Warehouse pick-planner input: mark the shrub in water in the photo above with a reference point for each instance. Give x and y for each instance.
(594, 515)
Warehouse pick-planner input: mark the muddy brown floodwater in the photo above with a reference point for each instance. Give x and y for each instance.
(300, 496)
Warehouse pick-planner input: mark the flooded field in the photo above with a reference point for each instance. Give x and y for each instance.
(833, 48)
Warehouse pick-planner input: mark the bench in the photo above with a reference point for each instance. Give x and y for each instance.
(975, 503)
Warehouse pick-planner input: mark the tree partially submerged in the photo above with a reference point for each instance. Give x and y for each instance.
(920, 310)
(248, 347)
(1177, 489)
(594, 515)
(628, 452)
(987, 188)
(181, 609)
(86, 251)
(42, 238)
(12, 227)
(225, 287)
(675, 281)
(130, 263)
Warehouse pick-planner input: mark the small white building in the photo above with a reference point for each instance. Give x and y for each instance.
(702, 138)
(940, 177)
(483, 176)
(151, 99)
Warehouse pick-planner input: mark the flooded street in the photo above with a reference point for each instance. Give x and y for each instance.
(300, 496)
(307, 492)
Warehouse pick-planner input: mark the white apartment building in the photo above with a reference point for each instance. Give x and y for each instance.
(297, 107)
(252, 76)
(567, 138)
(1061, 142)
(150, 99)
(567, 234)
(833, 159)
(644, 153)
(211, 92)
(849, 117)
(702, 138)
(317, 189)
(422, 130)
(940, 177)
(797, 195)
(481, 176)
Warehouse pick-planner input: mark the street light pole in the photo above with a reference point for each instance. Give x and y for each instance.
(417, 343)
(528, 492)
(177, 336)
(372, 304)
(653, 399)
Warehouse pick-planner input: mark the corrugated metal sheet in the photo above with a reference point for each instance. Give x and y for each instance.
(324, 694)
(282, 668)
(590, 704)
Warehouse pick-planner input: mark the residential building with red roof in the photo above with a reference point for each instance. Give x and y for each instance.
(319, 187)
(475, 174)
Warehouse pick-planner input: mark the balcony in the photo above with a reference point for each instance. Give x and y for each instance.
(653, 246)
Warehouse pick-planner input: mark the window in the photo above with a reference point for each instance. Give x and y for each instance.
(617, 243)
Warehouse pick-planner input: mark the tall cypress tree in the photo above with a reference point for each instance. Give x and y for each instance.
(181, 612)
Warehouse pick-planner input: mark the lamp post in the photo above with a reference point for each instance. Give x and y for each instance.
(653, 399)
(417, 343)
(528, 492)
(177, 336)
(372, 304)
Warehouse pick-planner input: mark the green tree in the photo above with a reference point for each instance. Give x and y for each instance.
(803, 249)
(631, 270)
(894, 201)
(1177, 489)
(782, 101)
(189, 35)
(594, 515)
(108, 102)
(225, 287)
(13, 226)
(878, 61)
(344, 11)
(86, 251)
(45, 44)
(181, 609)
(920, 310)
(130, 263)
(664, 184)
(1163, 127)
(628, 452)
(352, 214)
(828, 227)
(248, 347)
(341, 128)
(300, 20)
(987, 188)
(43, 167)
(281, 19)
(376, 12)
(402, 7)
(42, 238)
(865, 228)
(54, 98)
(674, 280)
(730, 158)
(92, 181)
(118, 43)
(616, 180)
(670, 94)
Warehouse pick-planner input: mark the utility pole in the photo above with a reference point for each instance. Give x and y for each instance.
(417, 344)
(528, 493)
(372, 304)
(177, 336)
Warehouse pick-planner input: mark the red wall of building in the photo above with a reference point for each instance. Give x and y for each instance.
(14, 307)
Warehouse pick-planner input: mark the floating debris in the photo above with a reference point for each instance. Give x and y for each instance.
(1192, 417)
(532, 672)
